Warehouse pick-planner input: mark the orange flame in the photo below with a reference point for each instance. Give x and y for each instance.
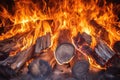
(29, 19)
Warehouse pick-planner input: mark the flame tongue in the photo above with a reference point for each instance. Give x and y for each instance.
(30, 19)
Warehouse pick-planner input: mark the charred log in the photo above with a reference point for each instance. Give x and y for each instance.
(39, 68)
(103, 52)
(80, 69)
(17, 61)
(3, 56)
(64, 53)
(43, 43)
(70, 79)
(116, 47)
(81, 39)
(7, 72)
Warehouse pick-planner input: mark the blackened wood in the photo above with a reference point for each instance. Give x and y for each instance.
(103, 52)
(87, 38)
(70, 79)
(7, 45)
(7, 72)
(80, 69)
(43, 43)
(64, 53)
(116, 47)
(39, 68)
(17, 61)
(3, 56)
(81, 39)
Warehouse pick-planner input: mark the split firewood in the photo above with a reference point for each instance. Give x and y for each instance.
(116, 47)
(82, 39)
(64, 53)
(43, 43)
(103, 52)
(17, 61)
(7, 45)
(39, 68)
(80, 69)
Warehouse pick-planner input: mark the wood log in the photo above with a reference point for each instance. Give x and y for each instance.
(116, 47)
(64, 36)
(64, 53)
(70, 79)
(81, 39)
(7, 45)
(7, 72)
(80, 69)
(39, 68)
(17, 61)
(103, 52)
(43, 43)
(3, 56)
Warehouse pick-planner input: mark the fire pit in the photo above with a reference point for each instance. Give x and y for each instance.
(60, 40)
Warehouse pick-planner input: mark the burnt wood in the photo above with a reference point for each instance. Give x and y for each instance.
(103, 52)
(7, 72)
(80, 69)
(70, 79)
(17, 61)
(43, 43)
(116, 47)
(64, 53)
(3, 56)
(39, 68)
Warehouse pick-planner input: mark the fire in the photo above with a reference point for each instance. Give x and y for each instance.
(30, 21)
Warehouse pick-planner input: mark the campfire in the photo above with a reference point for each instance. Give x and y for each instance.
(59, 40)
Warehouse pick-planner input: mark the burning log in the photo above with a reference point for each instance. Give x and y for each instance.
(17, 61)
(116, 47)
(80, 69)
(103, 52)
(81, 39)
(7, 45)
(42, 43)
(64, 53)
(39, 68)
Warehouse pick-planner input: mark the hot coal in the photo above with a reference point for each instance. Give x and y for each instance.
(64, 53)
(80, 69)
(39, 68)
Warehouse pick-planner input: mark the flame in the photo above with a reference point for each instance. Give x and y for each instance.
(30, 20)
